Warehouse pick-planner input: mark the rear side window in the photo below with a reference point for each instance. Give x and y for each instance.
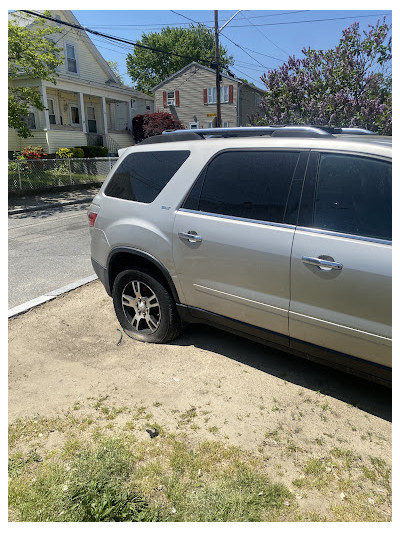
(253, 185)
(354, 196)
(142, 176)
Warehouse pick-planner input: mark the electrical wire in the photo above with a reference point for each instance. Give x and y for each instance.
(117, 39)
(263, 34)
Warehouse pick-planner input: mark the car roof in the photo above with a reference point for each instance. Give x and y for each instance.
(361, 144)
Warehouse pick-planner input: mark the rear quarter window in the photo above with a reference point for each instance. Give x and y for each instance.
(142, 176)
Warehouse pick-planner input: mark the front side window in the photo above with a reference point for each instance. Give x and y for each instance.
(142, 176)
(212, 94)
(354, 196)
(71, 59)
(253, 185)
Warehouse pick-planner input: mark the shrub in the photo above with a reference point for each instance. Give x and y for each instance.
(64, 153)
(32, 152)
(77, 153)
(144, 126)
(94, 151)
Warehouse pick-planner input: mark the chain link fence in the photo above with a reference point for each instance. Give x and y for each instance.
(32, 174)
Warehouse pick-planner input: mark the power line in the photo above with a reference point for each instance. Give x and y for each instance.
(238, 45)
(265, 37)
(203, 23)
(114, 38)
(306, 21)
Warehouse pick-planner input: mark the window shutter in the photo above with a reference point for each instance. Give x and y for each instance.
(164, 97)
(204, 96)
(177, 98)
(231, 94)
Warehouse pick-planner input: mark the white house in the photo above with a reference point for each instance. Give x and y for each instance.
(88, 105)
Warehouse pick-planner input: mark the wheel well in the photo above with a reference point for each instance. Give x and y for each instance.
(124, 260)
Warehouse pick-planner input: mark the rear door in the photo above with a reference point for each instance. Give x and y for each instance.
(233, 237)
(341, 259)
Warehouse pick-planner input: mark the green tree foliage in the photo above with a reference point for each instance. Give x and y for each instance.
(114, 67)
(31, 54)
(148, 68)
(349, 85)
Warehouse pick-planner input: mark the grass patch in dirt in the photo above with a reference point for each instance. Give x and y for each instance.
(121, 480)
(79, 467)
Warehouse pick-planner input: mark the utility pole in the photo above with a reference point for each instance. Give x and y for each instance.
(217, 66)
(217, 80)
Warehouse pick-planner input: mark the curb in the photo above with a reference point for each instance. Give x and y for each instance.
(23, 308)
(50, 206)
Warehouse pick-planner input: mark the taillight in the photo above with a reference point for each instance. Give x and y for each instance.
(92, 218)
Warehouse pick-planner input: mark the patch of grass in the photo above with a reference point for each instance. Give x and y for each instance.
(187, 416)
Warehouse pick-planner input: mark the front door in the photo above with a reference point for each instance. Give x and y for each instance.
(341, 260)
(91, 116)
(232, 240)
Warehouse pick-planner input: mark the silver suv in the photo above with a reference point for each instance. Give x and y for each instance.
(280, 234)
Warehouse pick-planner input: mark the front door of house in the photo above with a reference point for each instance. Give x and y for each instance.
(92, 125)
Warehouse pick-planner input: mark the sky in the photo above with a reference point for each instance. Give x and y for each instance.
(258, 40)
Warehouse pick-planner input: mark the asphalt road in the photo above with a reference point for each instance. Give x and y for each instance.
(47, 250)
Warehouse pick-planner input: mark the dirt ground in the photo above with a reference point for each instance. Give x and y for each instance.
(265, 401)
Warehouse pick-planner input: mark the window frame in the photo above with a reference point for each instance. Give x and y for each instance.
(74, 124)
(294, 193)
(51, 99)
(170, 101)
(224, 90)
(307, 202)
(75, 47)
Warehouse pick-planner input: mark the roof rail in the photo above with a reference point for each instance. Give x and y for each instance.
(272, 131)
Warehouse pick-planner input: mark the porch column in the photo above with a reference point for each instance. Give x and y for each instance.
(104, 112)
(43, 94)
(84, 129)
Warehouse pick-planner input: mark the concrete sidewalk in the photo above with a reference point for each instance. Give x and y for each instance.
(50, 199)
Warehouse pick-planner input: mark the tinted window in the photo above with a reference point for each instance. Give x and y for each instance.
(142, 176)
(252, 185)
(354, 195)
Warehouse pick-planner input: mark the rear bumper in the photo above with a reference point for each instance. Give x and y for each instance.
(102, 274)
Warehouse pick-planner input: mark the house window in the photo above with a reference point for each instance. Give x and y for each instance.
(75, 120)
(52, 113)
(225, 124)
(171, 98)
(148, 105)
(212, 94)
(72, 65)
(30, 121)
(193, 125)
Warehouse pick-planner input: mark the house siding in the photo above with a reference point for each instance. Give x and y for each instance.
(94, 81)
(247, 105)
(190, 85)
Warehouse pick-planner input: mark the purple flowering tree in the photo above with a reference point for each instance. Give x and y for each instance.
(348, 86)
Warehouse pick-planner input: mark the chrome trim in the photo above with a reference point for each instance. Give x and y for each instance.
(191, 237)
(344, 235)
(239, 219)
(321, 263)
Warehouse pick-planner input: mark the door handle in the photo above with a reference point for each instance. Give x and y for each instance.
(323, 264)
(191, 237)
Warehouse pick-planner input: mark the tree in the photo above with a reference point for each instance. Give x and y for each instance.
(349, 85)
(31, 54)
(144, 126)
(114, 67)
(148, 68)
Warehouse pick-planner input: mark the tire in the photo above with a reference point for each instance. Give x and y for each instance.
(144, 308)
